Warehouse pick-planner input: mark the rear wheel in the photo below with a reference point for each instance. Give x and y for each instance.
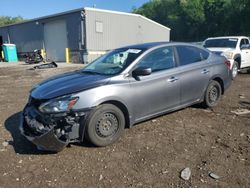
(235, 69)
(105, 125)
(212, 94)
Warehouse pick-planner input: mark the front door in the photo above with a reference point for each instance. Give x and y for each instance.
(159, 91)
(245, 58)
(245, 54)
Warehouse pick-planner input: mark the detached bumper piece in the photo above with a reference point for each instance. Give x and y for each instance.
(47, 141)
(51, 132)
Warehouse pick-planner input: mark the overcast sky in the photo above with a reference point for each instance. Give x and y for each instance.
(33, 8)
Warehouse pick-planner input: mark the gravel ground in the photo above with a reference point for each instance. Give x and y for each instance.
(150, 154)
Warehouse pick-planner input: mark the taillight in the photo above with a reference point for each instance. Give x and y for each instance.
(227, 63)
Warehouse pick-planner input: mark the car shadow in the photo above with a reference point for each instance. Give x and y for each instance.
(20, 144)
(245, 71)
(85, 144)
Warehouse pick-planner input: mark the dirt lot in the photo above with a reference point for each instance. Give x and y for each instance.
(151, 154)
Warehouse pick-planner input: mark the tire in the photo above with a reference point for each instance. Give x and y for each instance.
(235, 69)
(212, 94)
(105, 125)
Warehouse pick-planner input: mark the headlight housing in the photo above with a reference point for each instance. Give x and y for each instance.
(228, 55)
(62, 104)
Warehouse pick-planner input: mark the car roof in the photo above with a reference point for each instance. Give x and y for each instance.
(226, 37)
(147, 46)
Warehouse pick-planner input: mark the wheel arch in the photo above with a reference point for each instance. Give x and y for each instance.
(123, 108)
(220, 81)
(237, 58)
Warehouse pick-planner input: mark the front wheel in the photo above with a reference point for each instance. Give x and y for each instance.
(212, 94)
(235, 69)
(105, 125)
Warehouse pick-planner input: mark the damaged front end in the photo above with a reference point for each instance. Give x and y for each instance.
(51, 131)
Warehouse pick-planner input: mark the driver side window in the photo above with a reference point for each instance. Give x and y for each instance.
(242, 42)
(159, 59)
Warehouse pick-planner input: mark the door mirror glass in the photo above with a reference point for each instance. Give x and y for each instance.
(142, 71)
(245, 46)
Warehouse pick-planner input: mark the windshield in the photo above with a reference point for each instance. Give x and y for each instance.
(221, 43)
(113, 62)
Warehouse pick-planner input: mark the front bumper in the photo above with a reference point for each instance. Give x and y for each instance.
(47, 141)
(52, 132)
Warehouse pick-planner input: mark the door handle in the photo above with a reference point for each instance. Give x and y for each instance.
(205, 71)
(173, 79)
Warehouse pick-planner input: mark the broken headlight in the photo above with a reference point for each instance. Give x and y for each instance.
(62, 104)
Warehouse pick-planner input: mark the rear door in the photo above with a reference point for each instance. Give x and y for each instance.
(194, 72)
(159, 91)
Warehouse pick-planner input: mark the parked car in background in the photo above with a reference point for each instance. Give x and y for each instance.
(236, 49)
(198, 43)
(124, 87)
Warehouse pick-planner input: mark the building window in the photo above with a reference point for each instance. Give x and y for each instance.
(99, 27)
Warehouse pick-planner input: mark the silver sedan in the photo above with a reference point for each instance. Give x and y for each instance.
(124, 87)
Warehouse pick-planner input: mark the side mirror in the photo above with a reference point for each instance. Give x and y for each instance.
(142, 71)
(245, 46)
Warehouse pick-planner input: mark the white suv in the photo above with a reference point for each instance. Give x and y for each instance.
(236, 49)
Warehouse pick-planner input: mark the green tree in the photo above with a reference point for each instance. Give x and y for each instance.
(7, 20)
(192, 20)
(182, 16)
(239, 17)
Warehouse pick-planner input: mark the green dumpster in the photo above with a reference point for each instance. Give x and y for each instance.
(10, 54)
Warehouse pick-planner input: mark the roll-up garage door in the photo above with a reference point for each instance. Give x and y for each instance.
(55, 39)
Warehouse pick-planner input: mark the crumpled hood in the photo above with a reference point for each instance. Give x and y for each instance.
(67, 83)
(220, 50)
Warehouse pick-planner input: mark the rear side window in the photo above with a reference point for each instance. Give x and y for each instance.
(159, 59)
(189, 54)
